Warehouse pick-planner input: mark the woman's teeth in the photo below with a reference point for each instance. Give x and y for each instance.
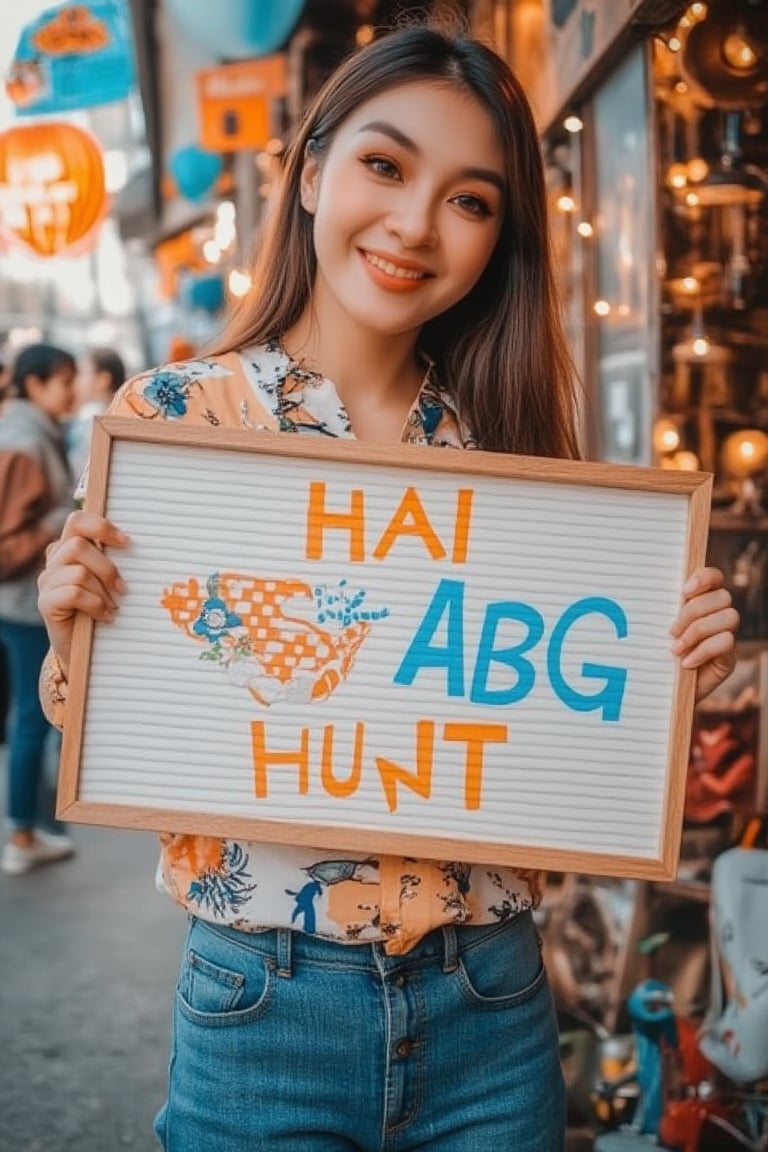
(394, 269)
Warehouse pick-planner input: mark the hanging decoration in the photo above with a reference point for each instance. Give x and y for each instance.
(194, 171)
(237, 29)
(70, 57)
(52, 186)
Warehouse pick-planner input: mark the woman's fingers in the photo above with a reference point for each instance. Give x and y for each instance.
(701, 617)
(704, 633)
(75, 555)
(76, 588)
(93, 527)
(80, 576)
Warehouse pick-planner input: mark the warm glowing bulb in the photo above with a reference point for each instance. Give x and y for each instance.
(364, 35)
(601, 308)
(690, 284)
(674, 43)
(681, 87)
(745, 453)
(698, 11)
(565, 203)
(739, 53)
(692, 199)
(211, 251)
(686, 461)
(697, 169)
(677, 175)
(666, 437)
(573, 124)
(585, 229)
(700, 346)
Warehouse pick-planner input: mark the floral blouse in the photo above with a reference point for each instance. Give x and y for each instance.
(348, 897)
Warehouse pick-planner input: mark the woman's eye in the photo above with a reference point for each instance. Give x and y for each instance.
(381, 166)
(473, 204)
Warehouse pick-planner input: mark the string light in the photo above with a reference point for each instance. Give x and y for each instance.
(239, 283)
(585, 229)
(573, 123)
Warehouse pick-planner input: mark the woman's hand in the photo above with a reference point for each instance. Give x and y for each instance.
(79, 577)
(705, 630)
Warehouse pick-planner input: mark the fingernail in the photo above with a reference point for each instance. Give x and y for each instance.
(688, 662)
(677, 647)
(122, 537)
(121, 586)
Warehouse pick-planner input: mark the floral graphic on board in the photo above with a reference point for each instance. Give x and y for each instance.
(282, 640)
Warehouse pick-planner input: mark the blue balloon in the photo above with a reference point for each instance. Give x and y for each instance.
(195, 171)
(237, 29)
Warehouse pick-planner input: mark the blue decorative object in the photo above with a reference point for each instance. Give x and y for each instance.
(195, 171)
(650, 1008)
(74, 56)
(237, 29)
(204, 291)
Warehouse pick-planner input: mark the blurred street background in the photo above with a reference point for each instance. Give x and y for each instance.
(88, 956)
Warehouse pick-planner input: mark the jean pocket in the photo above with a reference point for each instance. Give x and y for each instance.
(211, 993)
(503, 971)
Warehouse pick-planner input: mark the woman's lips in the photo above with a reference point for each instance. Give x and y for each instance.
(395, 275)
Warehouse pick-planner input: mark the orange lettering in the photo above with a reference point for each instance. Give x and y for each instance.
(463, 514)
(318, 519)
(262, 758)
(410, 519)
(333, 786)
(475, 736)
(419, 781)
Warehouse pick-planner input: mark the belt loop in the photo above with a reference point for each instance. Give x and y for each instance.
(284, 966)
(450, 962)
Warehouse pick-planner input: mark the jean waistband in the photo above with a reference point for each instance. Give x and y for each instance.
(444, 945)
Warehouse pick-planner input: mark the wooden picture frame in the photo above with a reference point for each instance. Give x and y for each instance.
(457, 655)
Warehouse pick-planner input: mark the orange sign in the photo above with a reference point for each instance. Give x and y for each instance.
(73, 29)
(234, 103)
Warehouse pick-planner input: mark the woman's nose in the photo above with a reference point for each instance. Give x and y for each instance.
(413, 222)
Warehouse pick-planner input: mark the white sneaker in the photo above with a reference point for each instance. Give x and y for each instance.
(48, 848)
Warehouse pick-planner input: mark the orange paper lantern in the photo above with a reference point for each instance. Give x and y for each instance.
(52, 187)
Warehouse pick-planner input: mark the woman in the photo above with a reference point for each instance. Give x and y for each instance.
(403, 294)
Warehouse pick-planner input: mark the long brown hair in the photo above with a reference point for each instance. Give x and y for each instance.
(501, 351)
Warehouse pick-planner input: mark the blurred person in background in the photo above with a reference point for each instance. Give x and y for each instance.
(5, 383)
(5, 391)
(100, 375)
(35, 499)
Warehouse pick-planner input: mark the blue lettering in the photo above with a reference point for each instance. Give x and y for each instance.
(513, 657)
(448, 597)
(611, 696)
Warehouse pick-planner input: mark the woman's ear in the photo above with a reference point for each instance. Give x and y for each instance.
(310, 181)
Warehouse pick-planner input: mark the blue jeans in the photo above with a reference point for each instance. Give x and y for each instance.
(31, 799)
(284, 1041)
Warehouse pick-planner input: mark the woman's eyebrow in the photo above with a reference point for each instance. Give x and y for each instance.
(386, 129)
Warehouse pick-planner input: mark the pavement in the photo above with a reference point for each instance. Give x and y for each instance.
(88, 959)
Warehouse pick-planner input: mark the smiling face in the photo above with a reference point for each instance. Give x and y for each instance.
(407, 206)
